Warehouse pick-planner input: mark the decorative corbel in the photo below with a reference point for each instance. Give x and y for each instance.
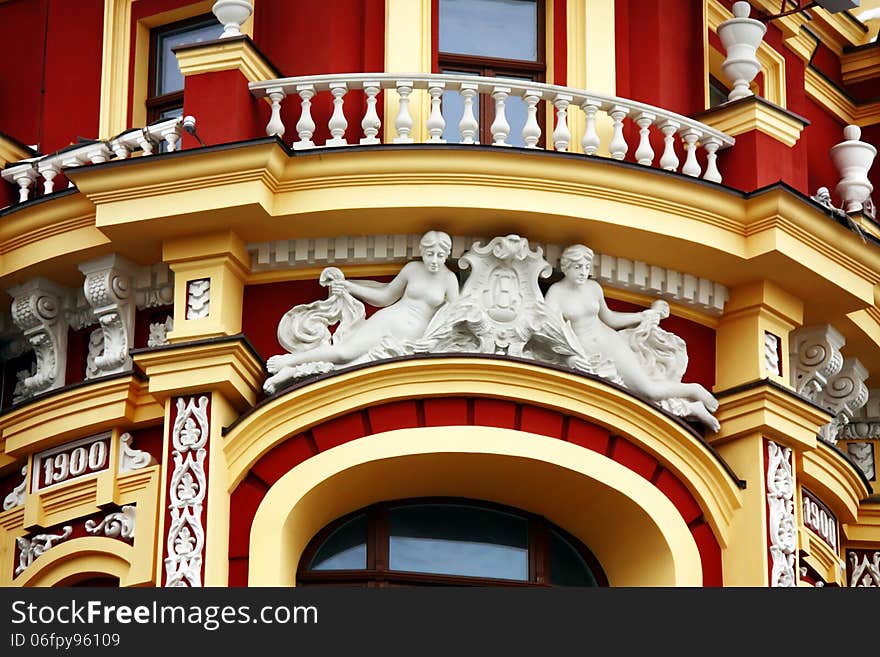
(108, 289)
(37, 309)
(815, 358)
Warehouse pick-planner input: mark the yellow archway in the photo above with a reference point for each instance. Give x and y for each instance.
(633, 529)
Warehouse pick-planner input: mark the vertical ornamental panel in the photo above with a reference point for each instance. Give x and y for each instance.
(187, 489)
(782, 524)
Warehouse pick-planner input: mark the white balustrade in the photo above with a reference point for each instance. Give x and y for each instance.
(25, 173)
(690, 134)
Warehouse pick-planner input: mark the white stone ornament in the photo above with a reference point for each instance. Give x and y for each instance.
(853, 159)
(499, 310)
(31, 548)
(783, 524)
(119, 524)
(741, 37)
(16, 497)
(232, 14)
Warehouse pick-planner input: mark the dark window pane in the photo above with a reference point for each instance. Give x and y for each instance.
(458, 540)
(567, 566)
(168, 77)
(504, 29)
(345, 548)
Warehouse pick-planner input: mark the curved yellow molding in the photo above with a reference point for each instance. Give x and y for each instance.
(675, 447)
(79, 557)
(618, 514)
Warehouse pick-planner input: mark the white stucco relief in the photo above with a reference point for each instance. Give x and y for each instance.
(500, 309)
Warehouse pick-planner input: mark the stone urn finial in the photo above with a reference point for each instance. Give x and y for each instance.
(232, 13)
(741, 37)
(853, 159)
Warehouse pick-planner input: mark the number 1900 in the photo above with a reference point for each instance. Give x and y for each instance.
(61, 464)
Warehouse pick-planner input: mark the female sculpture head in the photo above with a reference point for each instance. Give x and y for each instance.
(434, 247)
(576, 262)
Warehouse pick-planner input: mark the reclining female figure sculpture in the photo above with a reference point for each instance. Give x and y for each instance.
(407, 304)
(581, 302)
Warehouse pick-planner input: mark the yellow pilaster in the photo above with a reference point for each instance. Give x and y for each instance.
(745, 557)
(221, 259)
(407, 50)
(591, 63)
(753, 310)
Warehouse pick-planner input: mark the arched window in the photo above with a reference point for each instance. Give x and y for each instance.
(446, 542)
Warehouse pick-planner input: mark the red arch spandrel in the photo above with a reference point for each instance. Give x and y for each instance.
(463, 411)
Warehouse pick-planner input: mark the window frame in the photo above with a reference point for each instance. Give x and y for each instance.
(535, 71)
(157, 104)
(378, 574)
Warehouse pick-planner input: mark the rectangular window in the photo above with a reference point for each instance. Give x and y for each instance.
(165, 93)
(490, 38)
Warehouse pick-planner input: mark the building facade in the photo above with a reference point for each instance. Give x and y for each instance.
(295, 294)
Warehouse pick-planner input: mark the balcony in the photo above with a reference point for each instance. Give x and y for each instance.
(453, 102)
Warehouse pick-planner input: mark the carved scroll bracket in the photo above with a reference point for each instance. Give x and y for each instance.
(37, 309)
(108, 289)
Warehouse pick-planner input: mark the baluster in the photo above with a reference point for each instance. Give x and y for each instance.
(305, 127)
(618, 146)
(711, 144)
(644, 153)
(531, 131)
(436, 122)
(561, 135)
(48, 169)
(669, 160)
(468, 125)
(371, 122)
(337, 123)
(691, 166)
(404, 121)
(500, 127)
(275, 127)
(590, 140)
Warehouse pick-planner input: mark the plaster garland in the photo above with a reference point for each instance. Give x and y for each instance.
(500, 309)
(782, 522)
(186, 493)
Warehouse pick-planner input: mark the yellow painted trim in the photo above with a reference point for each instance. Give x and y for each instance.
(132, 564)
(77, 413)
(772, 62)
(230, 55)
(407, 50)
(619, 515)
(860, 65)
(780, 417)
(865, 533)
(114, 68)
(745, 116)
(834, 480)
(666, 440)
(833, 100)
(227, 367)
(12, 151)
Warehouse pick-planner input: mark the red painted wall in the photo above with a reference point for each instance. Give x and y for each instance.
(57, 50)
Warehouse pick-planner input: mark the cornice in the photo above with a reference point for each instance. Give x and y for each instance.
(77, 411)
(231, 54)
(755, 113)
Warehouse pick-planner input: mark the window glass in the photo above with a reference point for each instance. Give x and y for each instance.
(345, 548)
(489, 28)
(168, 77)
(567, 566)
(458, 540)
